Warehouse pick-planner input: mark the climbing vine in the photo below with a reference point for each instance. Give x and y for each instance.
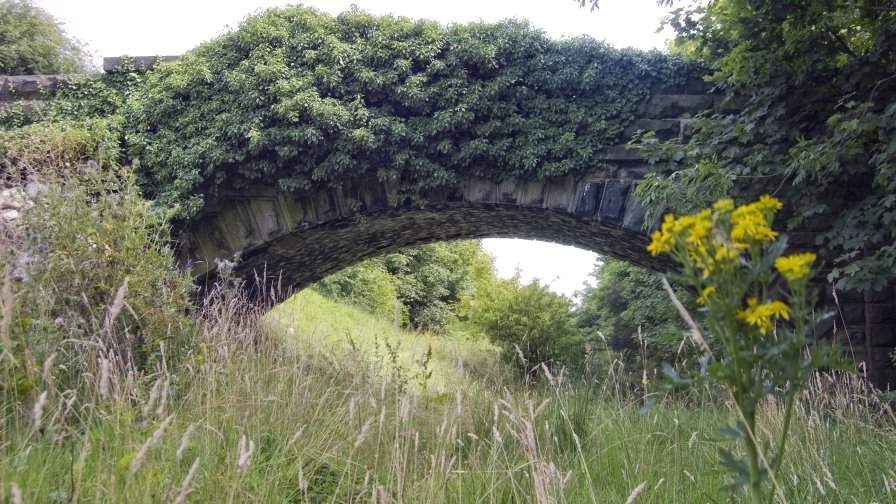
(302, 100)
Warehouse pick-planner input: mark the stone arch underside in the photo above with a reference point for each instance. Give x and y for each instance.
(293, 242)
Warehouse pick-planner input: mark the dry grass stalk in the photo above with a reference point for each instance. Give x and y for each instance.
(152, 441)
(114, 309)
(37, 413)
(185, 487)
(184, 440)
(635, 493)
(244, 454)
(7, 302)
(15, 494)
(362, 434)
(695, 331)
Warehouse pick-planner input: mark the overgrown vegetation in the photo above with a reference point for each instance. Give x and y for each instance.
(811, 108)
(115, 388)
(628, 310)
(301, 100)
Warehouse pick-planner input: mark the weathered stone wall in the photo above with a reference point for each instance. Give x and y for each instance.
(28, 91)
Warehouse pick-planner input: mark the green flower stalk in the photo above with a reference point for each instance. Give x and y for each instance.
(757, 306)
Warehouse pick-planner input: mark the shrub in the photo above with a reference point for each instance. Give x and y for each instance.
(531, 318)
(60, 148)
(97, 279)
(302, 100)
(367, 285)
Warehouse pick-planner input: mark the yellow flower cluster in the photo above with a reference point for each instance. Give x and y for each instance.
(744, 225)
(763, 315)
(795, 267)
(714, 240)
(750, 223)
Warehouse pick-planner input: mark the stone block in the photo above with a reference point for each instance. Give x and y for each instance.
(373, 197)
(480, 191)
(507, 192)
(621, 153)
(665, 129)
(881, 313)
(695, 84)
(30, 87)
(137, 62)
(882, 295)
(883, 335)
(589, 199)
(612, 206)
(852, 314)
(799, 241)
(633, 219)
(671, 106)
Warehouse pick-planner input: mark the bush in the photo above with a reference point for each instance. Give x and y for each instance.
(629, 306)
(56, 148)
(366, 285)
(97, 279)
(531, 318)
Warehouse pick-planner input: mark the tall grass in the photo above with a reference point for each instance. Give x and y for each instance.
(256, 415)
(316, 401)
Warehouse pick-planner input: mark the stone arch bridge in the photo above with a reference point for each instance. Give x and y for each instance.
(293, 241)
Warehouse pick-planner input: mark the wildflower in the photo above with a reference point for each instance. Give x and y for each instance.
(795, 267)
(763, 315)
(770, 204)
(659, 242)
(704, 294)
(724, 205)
(749, 224)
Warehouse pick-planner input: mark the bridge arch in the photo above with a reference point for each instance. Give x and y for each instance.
(296, 240)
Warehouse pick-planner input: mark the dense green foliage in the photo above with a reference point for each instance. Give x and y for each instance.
(300, 100)
(33, 42)
(429, 281)
(632, 311)
(531, 324)
(90, 259)
(812, 87)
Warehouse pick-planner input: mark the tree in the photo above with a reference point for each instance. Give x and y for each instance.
(630, 307)
(529, 319)
(32, 41)
(429, 281)
(811, 115)
(433, 278)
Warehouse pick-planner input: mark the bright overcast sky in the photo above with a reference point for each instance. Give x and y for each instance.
(167, 27)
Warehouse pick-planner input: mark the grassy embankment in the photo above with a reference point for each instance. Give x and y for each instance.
(290, 410)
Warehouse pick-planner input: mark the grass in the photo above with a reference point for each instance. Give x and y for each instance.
(271, 414)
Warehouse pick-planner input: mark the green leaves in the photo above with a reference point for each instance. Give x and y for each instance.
(810, 114)
(303, 100)
(33, 42)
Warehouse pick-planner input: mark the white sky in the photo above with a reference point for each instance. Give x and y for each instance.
(168, 27)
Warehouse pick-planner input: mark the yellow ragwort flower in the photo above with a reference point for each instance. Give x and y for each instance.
(770, 204)
(796, 266)
(660, 241)
(704, 294)
(763, 315)
(724, 205)
(749, 224)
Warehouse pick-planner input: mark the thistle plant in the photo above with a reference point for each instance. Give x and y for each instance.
(758, 308)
